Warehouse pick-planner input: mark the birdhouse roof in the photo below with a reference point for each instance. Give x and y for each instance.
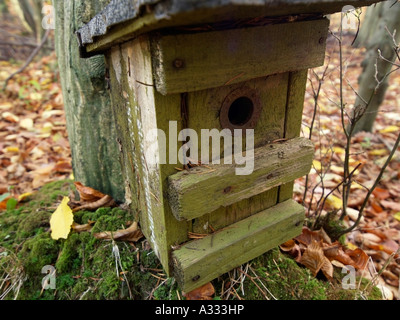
(122, 20)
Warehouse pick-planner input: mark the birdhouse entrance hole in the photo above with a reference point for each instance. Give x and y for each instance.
(240, 109)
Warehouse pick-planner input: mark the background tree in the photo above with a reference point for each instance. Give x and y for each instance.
(380, 23)
(30, 14)
(90, 121)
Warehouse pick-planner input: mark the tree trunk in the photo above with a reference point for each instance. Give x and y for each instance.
(380, 39)
(90, 120)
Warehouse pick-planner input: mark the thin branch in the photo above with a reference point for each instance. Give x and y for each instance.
(378, 179)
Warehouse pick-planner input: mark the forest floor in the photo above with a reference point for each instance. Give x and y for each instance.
(34, 151)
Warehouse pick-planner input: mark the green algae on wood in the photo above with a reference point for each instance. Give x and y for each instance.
(247, 53)
(201, 190)
(236, 244)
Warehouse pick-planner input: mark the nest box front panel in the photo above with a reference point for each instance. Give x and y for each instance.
(258, 104)
(173, 203)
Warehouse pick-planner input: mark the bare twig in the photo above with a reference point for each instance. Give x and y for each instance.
(378, 179)
(316, 93)
(31, 57)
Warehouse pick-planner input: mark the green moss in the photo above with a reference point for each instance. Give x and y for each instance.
(167, 291)
(275, 274)
(109, 219)
(39, 252)
(69, 256)
(87, 268)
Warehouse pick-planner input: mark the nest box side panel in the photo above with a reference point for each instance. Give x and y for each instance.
(135, 105)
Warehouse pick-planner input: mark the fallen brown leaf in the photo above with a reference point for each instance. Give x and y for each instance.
(356, 258)
(131, 234)
(82, 227)
(327, 268)
(313, 258)
(106, 201)
(292, 248)
(391, 205)
(380, 193)
(307, 237)
(205, 292)
(88, 194)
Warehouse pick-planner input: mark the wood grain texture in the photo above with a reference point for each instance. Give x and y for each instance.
(200, 261)
(135, 104)
(293, 118)
(203, 190)
(204, 109)
(213, 59)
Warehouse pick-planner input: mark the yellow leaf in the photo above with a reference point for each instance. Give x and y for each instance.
(61, 220)
(36, 96)
(339, 150)
(351, 246)
(390, 129)
(397, 216)
(317, 165)
(378, 152)
(334, 201)
(47, 127)
(12, 149)
(24, 196)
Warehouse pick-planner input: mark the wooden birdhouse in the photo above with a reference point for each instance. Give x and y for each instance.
(227, 73)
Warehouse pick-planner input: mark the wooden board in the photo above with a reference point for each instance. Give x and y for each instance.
(190, 62)
(123, 20)
(200, 261)
(203, 190)
(293, 118)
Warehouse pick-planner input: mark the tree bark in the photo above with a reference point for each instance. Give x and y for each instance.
(389, 19)
(90, 120)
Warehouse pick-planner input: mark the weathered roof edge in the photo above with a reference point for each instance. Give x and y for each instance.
(120, 11)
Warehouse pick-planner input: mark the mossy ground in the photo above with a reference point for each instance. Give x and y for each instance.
(87, 268)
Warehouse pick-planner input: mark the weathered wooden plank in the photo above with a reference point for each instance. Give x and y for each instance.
(200, 261)
(293, 117)
(225, 216)
(190, 62)
(192, 194)
(122, 21)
